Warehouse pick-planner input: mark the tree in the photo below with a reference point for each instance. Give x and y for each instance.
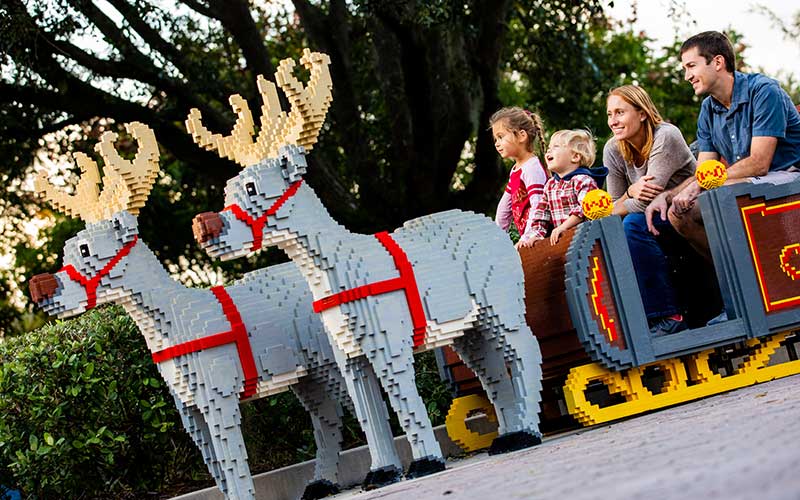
(414, 81)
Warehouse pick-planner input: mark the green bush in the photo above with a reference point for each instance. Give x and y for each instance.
(84, 413)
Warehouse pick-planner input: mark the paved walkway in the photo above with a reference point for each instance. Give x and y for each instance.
(739, 445)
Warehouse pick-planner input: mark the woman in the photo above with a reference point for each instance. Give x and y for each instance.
(645, 156)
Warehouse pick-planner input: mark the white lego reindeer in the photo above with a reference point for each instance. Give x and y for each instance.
(452, 278)
(213, 347)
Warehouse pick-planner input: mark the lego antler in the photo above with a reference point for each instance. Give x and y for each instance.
(300, 126)
(126, 183)
(140, 174)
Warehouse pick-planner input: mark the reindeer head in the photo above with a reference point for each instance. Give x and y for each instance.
(96, 257)
(274, 163)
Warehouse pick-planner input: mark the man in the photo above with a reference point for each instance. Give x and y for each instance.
(747, 120)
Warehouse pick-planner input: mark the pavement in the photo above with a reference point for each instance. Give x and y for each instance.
(737, 445)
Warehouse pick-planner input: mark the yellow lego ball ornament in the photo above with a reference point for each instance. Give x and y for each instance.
(711, 174)
(597, 204)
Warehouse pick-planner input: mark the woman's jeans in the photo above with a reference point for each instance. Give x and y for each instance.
(650, 265)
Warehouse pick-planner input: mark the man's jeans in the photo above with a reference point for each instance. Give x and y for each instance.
(650, 265)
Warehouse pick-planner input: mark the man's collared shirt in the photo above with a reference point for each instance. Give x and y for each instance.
(759, 108)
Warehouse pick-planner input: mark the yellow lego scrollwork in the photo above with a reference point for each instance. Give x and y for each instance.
(685, 379)
(463, 408)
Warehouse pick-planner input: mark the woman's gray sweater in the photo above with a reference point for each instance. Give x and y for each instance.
(670, 162)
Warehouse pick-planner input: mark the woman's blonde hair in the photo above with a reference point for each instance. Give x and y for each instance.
(517, 119)
(579, 141)
(638, 98)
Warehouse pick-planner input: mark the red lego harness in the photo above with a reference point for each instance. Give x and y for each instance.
(236, 335)
(90, 284)
(257, 224)
(406, 282)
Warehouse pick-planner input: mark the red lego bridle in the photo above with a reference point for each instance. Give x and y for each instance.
(257, 224)
(90, 284)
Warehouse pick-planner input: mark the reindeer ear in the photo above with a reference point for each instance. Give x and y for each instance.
(293, 162)
(126, 226)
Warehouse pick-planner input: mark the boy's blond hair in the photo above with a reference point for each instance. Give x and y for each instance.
(580, 141)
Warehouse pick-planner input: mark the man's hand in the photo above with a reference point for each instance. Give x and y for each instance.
(644, 190)
(659, 204)
(684, 201)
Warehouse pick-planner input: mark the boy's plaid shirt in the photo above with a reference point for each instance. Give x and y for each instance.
(561, 198)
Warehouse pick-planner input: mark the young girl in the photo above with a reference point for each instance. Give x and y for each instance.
(515, 130)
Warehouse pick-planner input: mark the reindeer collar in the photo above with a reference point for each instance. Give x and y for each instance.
(257, 224)
(90, 284)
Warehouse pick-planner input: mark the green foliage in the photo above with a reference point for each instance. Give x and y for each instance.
(434, 392)
(84, 413)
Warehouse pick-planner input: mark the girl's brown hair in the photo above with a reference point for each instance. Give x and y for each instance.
(638, 98)
(516, 119)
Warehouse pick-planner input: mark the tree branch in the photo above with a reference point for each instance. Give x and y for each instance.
(235, 16)
(186, 98)
(152, 36)
(106, 26)
(200, 8)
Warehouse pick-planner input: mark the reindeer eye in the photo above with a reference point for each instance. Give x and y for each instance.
(251, 188)
(84, 250)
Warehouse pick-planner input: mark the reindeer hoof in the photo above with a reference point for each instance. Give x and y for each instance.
(424, 466)
(514, 441)
(320, 488)
(379, 478)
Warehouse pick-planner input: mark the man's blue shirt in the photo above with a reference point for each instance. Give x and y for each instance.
(759, 107)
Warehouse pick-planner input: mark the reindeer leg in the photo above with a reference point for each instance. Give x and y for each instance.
(389, 350)
(219, 402)
(491, 372)
(196, 426)
(325, 415)
(516, 397)
(370, 410)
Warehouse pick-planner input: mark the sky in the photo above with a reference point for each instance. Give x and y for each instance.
(767, 46)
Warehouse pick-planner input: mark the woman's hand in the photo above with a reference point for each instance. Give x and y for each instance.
(644, 190)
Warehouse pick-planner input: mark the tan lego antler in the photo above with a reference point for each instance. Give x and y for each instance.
(126, 184)
(300, 126)
(140, 174)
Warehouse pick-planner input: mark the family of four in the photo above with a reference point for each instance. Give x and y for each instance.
(747, 121)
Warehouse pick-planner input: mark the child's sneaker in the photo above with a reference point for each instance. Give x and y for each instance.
(668, 325)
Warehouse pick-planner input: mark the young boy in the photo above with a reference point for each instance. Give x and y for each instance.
(569, 158)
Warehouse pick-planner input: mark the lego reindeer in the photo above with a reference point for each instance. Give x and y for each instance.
(451, 278)
(214, 347)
